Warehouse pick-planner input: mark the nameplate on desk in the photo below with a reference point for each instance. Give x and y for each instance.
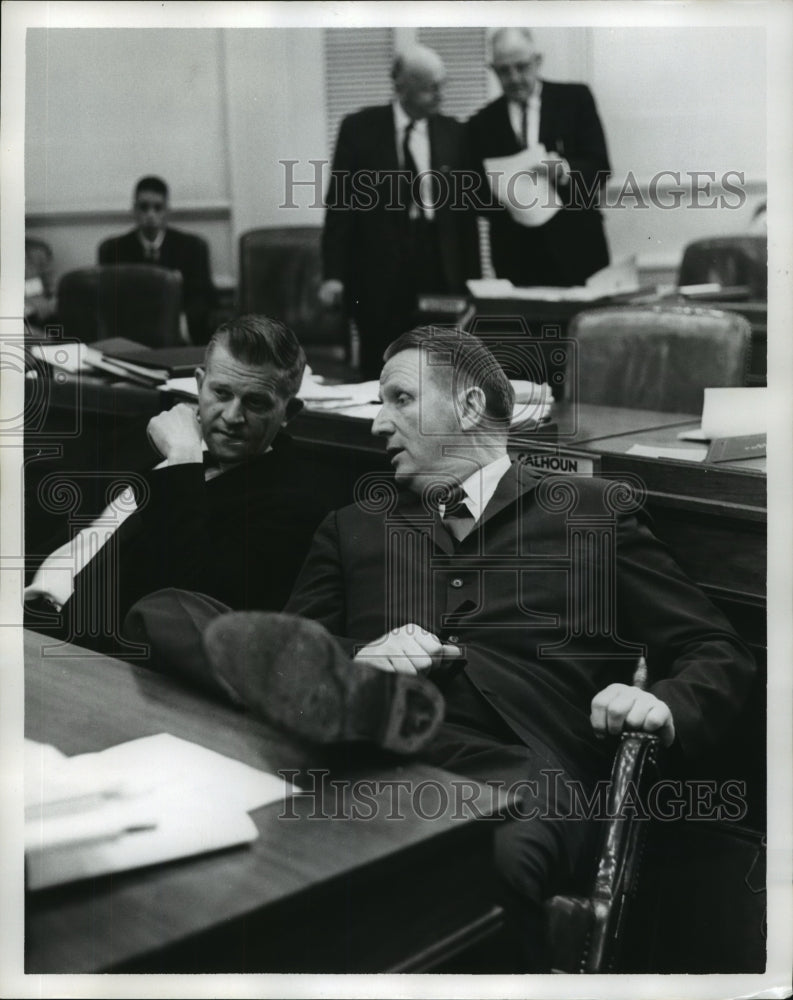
(566, 463)
(733, 449)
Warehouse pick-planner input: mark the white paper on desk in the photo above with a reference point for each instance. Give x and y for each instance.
(185, 386)
(183, 829)
(364, 411)
(189, 769)
(615, 279)
(733, 412)
(730, 412)
(490, 288)
(353, 394)
(522, 184)
(139, 803)
(680, 454)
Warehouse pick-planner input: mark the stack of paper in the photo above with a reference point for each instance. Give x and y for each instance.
(318, 396)
(75, 357)
(184, 387)
(139, 803)
(532, 401)
(619, 278)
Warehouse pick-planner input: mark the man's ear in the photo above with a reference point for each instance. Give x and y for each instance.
(200, 375)
(473, 407)
(293, 407)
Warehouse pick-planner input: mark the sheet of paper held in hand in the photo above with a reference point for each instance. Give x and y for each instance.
(522, 183)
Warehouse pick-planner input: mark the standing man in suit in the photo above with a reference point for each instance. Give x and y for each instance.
(153, 241)
(526, 600)
(227, 511)
(562, 117)
(395, 225)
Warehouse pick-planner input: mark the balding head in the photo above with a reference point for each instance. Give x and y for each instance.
(418, 74)
(515, 61)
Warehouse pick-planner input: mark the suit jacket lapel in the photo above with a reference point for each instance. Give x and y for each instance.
(383, 141)
(549, 116)
(412, 511)
(515, 482)
(440, 153)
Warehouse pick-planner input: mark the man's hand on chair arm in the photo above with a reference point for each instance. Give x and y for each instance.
(620, 706)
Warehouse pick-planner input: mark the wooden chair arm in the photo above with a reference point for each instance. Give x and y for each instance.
(584, 931)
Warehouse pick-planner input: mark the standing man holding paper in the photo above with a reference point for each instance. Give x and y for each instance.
(548, 229)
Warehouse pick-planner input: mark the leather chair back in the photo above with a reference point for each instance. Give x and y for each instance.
(140, 302)
(728, 260)
(78, 295)
(280, 274)
(136, 301)
(655, 358)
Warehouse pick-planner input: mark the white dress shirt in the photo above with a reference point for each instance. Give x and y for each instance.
(419, 145)
(479, 489)
(151, 248)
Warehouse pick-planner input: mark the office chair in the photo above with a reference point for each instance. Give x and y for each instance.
(78, 294)
(655, 357)
(136, 301)
(740, 260)
(280, 274)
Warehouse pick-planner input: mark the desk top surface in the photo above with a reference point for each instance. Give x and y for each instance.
(80, 702)
(571, 423)
(667, 437)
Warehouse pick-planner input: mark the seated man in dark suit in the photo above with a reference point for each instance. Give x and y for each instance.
(40, 302)
(153, 241)
(227, 512)
(545, 591)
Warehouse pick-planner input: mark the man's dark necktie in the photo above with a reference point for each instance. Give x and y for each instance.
(456, 511)
(411, 172)
(524, 124)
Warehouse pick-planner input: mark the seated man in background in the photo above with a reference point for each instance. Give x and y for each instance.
(226, 512)
(153, 241)
(527, 600)
(40, 302)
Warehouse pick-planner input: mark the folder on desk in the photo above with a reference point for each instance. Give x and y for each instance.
(158, 363)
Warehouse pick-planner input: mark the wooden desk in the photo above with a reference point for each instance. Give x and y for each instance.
(317, 893)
